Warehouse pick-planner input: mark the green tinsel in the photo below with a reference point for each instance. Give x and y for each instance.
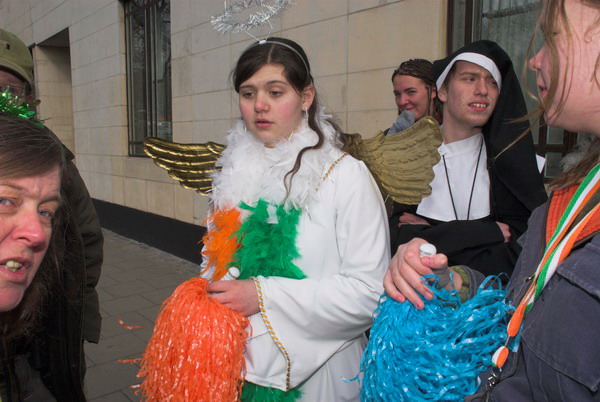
(268, 249)
(14, 106)
(255, 393)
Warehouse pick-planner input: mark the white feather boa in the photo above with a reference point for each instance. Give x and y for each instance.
(250, 171)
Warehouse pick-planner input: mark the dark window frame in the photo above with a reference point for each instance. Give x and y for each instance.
(149, 110)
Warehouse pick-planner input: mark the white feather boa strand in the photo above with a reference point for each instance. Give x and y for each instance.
(250, 171)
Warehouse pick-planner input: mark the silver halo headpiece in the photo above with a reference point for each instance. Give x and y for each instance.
(228, 22)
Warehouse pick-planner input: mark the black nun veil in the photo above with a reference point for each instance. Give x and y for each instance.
(516, 184)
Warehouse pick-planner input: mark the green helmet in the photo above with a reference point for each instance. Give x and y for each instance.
(15, 56)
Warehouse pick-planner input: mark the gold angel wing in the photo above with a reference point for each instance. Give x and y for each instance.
(191, 164)
(402, 163)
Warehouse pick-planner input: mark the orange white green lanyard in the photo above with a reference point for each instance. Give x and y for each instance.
(558, 248)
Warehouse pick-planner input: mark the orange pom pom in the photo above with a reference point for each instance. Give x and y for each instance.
(197, 350)
(220, 243)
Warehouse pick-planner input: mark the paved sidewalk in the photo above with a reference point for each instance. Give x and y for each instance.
(135, 280)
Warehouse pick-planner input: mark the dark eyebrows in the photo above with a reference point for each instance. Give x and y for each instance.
(269, 83)
(471, 73)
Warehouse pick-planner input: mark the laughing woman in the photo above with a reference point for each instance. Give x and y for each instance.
(313, 240)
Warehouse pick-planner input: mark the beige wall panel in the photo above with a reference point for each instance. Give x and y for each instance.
(332, 91)
(55, 21)
(211, 130)
(369, 123)
(184, 204)
(310, 11)
(204, 37)
(182, 132)
(370, 90)
(342, 120)
(117, 165)
(182, 108)
(100, 141)
(161, 199)
(200, 210)
(135, 193)
(180, 44)
(119, 140)
(201, 11)
(360, 5)
(180, 15)
(210, 70)
(326, 45)
(373, 44)
(181, 76)
(118, 190)
(94, 22)
(135, 167)
(84, 163)
(212, 105)
(102, 186)
(101, 164)
(83, 8)
(13, 10)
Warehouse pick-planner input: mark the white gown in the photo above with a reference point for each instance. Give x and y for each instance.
(310, 332)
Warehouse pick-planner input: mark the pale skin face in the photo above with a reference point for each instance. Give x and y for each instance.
(582, 101)
(270, 106)
(469, 96)
(411, 94)
(272, 110)
(27, 207)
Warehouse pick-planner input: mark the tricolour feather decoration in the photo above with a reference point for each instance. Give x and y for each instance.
(435, 353)
(196, 352)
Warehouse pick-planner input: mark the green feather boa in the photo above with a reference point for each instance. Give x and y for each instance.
(268, 249)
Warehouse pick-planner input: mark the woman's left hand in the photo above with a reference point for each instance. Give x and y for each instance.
(238, 295)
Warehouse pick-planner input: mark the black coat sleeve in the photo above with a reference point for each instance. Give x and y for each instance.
(478, 243)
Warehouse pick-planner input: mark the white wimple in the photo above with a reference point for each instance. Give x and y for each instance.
(251, 171)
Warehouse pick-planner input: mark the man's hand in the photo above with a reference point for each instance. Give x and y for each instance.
(410, 219)
(402, 281)
(239, 295)
(505, 229)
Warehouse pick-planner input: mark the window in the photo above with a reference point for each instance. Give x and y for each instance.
(148, 41)
(509, 23)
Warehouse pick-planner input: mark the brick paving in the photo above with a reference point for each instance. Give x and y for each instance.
(135, 280)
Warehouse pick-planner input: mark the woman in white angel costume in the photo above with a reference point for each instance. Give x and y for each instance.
(312, 239)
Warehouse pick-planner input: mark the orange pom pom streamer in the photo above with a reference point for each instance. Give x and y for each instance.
(197, 350)
(220, 242)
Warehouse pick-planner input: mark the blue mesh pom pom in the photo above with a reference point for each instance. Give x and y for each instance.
(435, 353)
